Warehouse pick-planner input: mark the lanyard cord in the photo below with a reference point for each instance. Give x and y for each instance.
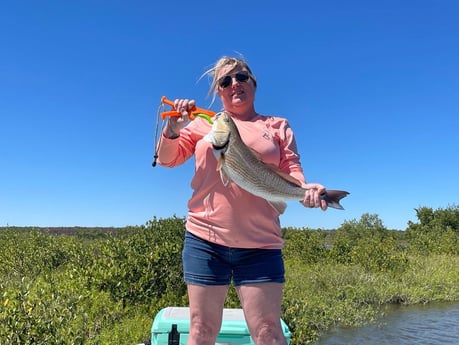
(157, 142)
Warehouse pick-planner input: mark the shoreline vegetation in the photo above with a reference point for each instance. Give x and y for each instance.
(78, 285)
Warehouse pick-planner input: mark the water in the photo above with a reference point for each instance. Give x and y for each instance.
(431, 324)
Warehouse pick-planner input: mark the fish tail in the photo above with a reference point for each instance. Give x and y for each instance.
(332, 198)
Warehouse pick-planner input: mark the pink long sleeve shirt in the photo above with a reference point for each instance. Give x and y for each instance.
(229, 215)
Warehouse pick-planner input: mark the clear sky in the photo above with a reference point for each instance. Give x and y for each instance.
(371, 89)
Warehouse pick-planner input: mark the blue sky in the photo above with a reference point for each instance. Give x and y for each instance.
(371, 89)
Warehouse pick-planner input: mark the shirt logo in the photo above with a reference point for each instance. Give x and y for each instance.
(267, 135)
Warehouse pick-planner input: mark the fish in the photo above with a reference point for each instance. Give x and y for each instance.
(239, 163)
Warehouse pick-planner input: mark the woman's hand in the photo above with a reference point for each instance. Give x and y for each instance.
(176, 123)
(312, 196)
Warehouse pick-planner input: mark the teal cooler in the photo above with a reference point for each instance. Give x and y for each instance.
(234, 329)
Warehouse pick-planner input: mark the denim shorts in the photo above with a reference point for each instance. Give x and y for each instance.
(207, 263)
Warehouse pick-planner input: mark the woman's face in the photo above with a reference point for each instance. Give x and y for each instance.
(235, 88)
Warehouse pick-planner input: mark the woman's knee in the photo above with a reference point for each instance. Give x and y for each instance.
(268, 332)
(204, 331)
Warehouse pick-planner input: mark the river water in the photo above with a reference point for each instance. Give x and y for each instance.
(430, 324)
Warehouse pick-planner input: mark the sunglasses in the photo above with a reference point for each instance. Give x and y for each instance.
(226, 81)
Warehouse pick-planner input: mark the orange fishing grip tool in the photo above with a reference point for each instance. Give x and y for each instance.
(193, 112)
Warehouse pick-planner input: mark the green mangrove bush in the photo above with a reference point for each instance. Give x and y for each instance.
(97, 287)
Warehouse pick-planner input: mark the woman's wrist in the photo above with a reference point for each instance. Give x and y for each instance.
(170, 133)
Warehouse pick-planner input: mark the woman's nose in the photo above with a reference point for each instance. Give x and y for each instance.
(234, 81)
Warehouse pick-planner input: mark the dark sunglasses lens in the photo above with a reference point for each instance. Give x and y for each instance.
(225, 81)
(242, 77)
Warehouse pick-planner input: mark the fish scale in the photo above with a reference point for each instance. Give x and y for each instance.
(270, 185)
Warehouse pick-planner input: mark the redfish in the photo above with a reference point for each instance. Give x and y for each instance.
(238, 163)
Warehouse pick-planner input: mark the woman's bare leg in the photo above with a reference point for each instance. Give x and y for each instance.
(206, 310)
(262, 308)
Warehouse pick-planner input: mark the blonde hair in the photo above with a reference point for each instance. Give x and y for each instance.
(223, 62)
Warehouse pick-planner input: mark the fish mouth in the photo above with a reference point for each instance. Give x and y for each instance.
(221, 146)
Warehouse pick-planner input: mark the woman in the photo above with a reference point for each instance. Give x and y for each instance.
(230, 233)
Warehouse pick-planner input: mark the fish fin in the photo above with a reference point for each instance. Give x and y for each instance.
(255, 153)
(220, 162)
(284, 175)
(225, 179)
(278, 171)
(332, 197)
(279, 206)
